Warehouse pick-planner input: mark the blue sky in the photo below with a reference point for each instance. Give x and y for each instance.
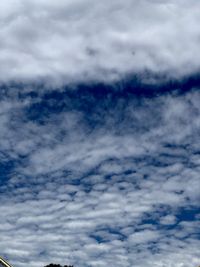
(99, 150)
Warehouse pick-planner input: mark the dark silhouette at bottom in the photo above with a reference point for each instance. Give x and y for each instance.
(57, 265)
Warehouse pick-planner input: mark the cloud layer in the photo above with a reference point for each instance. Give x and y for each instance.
(99, 132)
(83, 40)
(95, 179)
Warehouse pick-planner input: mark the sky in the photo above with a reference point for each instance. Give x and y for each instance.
(99, 133)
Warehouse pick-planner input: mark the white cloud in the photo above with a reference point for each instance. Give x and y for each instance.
(169, 219)
(66, 41)
(143, 237)
(121, 182)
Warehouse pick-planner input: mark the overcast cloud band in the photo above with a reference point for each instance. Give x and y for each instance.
(84, 40)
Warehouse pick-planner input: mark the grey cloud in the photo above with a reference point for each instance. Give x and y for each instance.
(88, 40)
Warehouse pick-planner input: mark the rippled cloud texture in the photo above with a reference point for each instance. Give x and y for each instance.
(99, 176)
(99, 155)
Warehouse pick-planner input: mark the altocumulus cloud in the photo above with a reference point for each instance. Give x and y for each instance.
(99, 179)
(97, 40)
(97, 166)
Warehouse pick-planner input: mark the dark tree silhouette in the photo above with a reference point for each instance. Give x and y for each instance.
(57, 265)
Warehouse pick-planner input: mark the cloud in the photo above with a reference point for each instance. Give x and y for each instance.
(169, 219)
(84, 40)
(99, 174)
(96, 181)
(143, 237)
